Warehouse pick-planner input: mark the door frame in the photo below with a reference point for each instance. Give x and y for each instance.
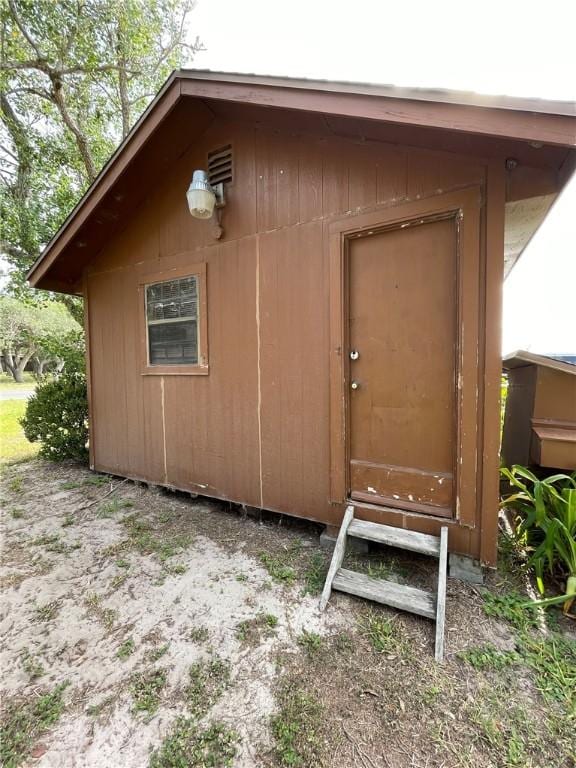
(465, 207)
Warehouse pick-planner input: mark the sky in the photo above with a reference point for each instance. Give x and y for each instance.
(503, 48)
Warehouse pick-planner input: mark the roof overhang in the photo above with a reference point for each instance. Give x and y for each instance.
(541, 133)
(521, 358)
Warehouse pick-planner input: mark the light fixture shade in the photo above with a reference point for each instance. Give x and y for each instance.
(200, 196)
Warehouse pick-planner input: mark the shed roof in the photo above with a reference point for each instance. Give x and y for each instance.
(522, 358)
(181, 107)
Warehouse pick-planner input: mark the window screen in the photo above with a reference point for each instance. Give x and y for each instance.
(172, 317)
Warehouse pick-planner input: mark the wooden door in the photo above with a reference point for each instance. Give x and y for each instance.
(402, 376)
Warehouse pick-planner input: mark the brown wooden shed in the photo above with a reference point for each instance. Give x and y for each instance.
(341, 339)
(540, 417)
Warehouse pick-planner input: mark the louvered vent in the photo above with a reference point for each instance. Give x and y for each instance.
(220, 165)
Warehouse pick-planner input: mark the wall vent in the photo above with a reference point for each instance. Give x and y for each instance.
(220, 165)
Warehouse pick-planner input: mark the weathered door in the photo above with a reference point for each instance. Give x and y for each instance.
(403, 342)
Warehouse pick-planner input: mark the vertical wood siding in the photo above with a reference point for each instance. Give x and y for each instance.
(256, 428)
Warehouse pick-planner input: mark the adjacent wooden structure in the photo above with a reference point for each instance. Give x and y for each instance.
(348, 321)
(540, 417)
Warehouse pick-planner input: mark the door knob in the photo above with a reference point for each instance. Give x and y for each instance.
(354, 385)
(354, 354)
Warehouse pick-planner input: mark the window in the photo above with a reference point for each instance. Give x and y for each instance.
(172, 318)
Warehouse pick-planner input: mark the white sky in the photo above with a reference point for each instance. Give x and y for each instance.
(507, 47)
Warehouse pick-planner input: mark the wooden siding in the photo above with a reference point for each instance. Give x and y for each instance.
(256, 429)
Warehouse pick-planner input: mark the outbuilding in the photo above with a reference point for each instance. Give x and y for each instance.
(540, 416)
(331, 335)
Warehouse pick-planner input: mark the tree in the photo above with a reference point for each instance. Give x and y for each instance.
(47, 331)
(74, 77)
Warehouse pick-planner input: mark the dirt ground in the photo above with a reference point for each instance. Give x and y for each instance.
(142, 627)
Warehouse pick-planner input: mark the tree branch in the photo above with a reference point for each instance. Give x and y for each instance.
(80, 138)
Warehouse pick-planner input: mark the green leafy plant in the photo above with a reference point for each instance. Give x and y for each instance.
(146, 690)
(126, 649)
(488, 657)
(190, 746)
(547, 526)
(23, 722)
(57, 417)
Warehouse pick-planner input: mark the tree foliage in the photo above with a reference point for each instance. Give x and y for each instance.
(74, 77)
(46, 332)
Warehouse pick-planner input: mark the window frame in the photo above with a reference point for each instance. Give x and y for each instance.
(185, 369)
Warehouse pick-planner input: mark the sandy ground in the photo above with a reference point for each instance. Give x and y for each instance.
(78, 583)
(219, 588)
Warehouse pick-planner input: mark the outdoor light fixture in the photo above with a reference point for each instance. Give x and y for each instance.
(203, 197)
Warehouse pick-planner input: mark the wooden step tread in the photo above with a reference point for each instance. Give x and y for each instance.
(399, 596)
(395, 537)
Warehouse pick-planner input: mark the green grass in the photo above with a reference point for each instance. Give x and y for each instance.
(13, 445)
(23, 722)
(296, 727)
(156, 653)
(208, 681)
(553, 662)
(7, 383)
(190, 746)
(146, 690)
(311, 641)
(489, 657)
(512, 608)
(278, 567)
(126, 649)
(147, 541)
(382, 633)
(199, 634)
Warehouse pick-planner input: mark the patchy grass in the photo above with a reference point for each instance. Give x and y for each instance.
(208, 681)
(382, 632)
(110, 508)
(106, 616)
(47, 612)
(31, 665)
(14, 446)
(156, 653)
(53, 543)
(24, 721)
(511, 608)
(279, 569)
(315, 574)
(296, 727)
(251, 631)
(506, 700)
(199, 634)
(553, 660)
(489, 657)
(311, 641)
(190, 746)
(126, 649)
(146, 688)
(164, 544)
(94, 710)
(16, 483)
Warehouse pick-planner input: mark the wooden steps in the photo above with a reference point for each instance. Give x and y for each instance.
(395, 537)
(400, 596)
(386, 592)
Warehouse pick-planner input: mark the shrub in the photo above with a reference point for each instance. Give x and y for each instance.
(57, 417)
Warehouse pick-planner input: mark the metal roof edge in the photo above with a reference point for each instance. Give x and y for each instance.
(438, 95)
